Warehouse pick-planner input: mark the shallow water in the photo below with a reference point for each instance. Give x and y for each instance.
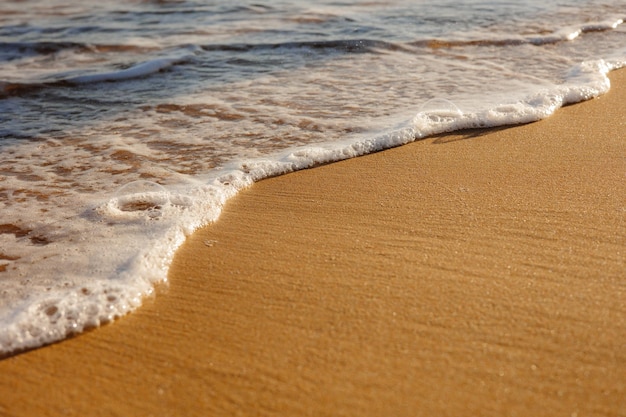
(124, 126)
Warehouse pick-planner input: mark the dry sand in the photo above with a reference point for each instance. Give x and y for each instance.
(474, 274)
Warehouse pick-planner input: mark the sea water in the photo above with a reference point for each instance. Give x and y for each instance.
(125, 125)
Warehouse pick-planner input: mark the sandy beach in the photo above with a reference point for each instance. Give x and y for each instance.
(481, 273)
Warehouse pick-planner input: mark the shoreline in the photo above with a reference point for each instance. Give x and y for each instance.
(474, 273)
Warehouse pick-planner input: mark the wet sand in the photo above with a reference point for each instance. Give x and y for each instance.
(479, 273)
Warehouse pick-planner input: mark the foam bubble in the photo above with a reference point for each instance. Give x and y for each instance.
(436, 115)
(141, 195)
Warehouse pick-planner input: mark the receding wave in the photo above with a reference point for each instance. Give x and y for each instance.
(16, 50)
(144, 69)
(136, 71)
(347, 45)
(369, 45)
(562, 35)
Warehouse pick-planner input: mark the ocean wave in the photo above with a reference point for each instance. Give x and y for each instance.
(136, 71)
(365, 45)
(140, 70)
(565, 34)
(340, 45)
(10, 51)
